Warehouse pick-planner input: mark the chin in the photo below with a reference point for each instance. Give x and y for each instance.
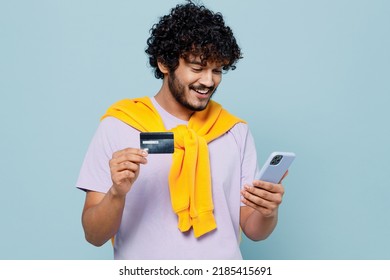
(198, 107)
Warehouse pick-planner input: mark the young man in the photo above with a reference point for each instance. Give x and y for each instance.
(191, 204)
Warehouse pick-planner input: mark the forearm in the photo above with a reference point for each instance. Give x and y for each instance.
(101, 221)
(255, 225)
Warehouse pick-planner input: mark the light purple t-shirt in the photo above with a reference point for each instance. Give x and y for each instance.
(149, 226)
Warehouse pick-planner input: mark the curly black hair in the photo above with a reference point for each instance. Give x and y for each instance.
(191, 29)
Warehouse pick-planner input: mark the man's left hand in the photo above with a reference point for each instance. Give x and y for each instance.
(263, 197)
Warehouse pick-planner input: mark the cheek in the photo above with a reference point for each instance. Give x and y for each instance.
(217, 80)
(186, 81)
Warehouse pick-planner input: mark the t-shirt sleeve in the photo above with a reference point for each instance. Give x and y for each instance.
(95, 171)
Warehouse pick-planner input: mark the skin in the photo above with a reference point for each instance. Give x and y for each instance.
(190, 78)
(186, 90)
(260, 215)
(102, 213)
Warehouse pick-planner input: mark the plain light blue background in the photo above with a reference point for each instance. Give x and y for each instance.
(314, 80)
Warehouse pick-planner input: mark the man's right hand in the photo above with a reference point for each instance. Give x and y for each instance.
(124, 167)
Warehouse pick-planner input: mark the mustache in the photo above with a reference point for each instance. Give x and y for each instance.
(201, 87)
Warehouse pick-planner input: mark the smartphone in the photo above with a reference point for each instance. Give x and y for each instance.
(276, 166)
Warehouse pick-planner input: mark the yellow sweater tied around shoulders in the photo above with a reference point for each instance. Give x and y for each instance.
(189, 177)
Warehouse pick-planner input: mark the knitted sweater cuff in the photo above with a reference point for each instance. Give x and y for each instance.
(204, 223)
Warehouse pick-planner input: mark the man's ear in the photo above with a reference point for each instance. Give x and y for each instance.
(164, 69)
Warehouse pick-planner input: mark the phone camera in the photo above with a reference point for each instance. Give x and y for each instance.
(276, 160)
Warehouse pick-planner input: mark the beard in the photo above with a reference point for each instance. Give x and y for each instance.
(178, 91)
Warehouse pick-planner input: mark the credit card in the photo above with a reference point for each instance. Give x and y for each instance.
(157, 142)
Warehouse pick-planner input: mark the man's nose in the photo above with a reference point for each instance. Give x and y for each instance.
(207, 78)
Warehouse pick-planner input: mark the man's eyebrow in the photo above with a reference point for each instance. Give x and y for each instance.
(198, 62)
(194, 61)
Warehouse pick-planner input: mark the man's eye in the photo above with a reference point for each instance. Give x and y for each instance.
(196, 69)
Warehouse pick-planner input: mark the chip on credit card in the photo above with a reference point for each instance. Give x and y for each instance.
(157, 142)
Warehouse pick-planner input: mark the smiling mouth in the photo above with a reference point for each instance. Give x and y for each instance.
(202, 90)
